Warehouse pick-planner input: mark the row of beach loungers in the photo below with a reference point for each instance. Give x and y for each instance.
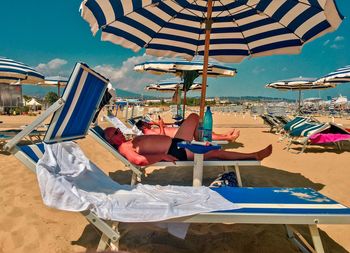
(306, 130)
(71, 120)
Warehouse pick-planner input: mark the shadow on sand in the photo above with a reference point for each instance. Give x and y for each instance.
(212, 237)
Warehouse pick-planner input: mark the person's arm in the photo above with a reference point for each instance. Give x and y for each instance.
(143, 160)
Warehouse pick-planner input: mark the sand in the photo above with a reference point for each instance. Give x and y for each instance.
(26, 225)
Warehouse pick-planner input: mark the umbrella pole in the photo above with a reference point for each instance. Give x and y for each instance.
(184, 105)
(299, 106)
(58, 89)
(206, 59)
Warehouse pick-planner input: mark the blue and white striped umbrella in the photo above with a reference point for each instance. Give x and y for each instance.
(299, 83)
(238, 28)
(227, 30)
(341, 75)
(16, 72)
(171, 86)
(178, 67)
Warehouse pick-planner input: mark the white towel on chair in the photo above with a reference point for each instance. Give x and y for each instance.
(69, 181)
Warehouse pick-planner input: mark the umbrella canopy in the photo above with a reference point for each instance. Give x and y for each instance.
(56, 81)
(299, 83)
(13, 72)
(341, 75)
(178, 67)
(171, 86)
(226, 30)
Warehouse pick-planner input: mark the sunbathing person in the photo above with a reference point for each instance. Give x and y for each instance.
(147, 128)
(148, 149)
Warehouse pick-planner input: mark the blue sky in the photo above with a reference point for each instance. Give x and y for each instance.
(51, 36)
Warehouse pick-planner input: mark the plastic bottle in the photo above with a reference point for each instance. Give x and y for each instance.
(208, 125)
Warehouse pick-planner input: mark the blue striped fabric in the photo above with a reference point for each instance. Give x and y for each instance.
(281, 201)
(239, 28)
(171, 86)
(12, 71)
(82, 97)
(341, 75)
(34, 152)
(177, 67)
(294, 122)
(306, 129)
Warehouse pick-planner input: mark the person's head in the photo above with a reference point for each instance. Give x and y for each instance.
(114, 136)
(141, 125)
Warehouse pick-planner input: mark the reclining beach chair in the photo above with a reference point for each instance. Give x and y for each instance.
(138, 171)
(72, 115)
(73, 112)
(275, 126)
(288, 206)
(305, 132)
(117, 123)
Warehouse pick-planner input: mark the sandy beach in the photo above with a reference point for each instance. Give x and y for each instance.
(27, 225)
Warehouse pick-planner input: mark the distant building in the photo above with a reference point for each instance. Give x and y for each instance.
(10, 96)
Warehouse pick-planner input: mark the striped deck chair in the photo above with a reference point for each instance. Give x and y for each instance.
(302, 134)
(138, 171)
(284, 206)
(269, 120)
(72, 113)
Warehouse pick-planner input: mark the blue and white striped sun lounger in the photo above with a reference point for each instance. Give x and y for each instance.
(288, 206)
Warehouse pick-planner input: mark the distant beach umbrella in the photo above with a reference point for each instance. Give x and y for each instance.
(55, 81)
(341, 75)
(227, 30)
(171, 86)
(188, 71)
(299, 83)
(179, 67)
(13, 72)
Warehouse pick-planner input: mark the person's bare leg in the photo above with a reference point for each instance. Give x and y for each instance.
(230, 155)
(188, 128)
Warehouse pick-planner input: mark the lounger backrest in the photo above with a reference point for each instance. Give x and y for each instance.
(294, 122)
(81, 97)
(308, 129)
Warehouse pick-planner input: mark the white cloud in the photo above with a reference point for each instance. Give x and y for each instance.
(336, 43)
(258, 70)
(339, 38)
(53, 67)
(125, 77)
(336, 46)
(326, 42)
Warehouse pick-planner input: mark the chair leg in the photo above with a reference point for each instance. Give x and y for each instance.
(133, 179)
(292, 233)
(238, 175)
(316, 239)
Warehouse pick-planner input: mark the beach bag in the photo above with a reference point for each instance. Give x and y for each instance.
(228, 179)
